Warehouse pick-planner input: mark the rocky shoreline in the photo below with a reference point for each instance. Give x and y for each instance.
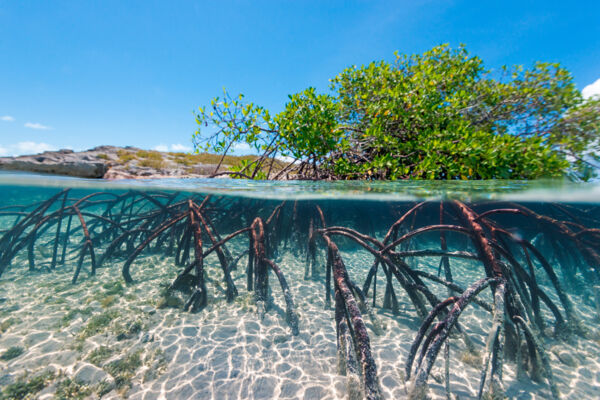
(113, 162)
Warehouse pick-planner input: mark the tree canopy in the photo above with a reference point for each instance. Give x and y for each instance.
(436, 115)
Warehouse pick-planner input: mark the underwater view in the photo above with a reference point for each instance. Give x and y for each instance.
(228, 289)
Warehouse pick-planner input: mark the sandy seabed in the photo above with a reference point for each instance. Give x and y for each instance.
(113, 340)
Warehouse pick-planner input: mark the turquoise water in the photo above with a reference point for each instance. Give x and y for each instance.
(181, 289)
(541, 190)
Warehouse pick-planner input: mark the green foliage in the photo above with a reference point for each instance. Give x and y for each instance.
(11, 353)
(97, 324)
(51, 299)
(439, 115)
(308, 125)
(99, 355)
(102, 156)
(151, 159)
(7, 323)
(71, 314)
(103, 388)
(113, 288)
(108, 301)
(124, 369)
(207, 158)
(125, 156)
(135, 327)
(240, 170)
(158, 362)
(26, 389)
(150, 155)
(69, 389)
(236, 123)
(151, 163)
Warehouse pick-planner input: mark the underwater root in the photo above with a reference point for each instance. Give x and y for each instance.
(516, 311)
(527, 302)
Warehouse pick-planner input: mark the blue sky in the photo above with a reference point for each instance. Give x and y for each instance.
(77, 74)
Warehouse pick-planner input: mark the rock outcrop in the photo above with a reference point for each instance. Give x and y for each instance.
(112, 162)
(62, 162)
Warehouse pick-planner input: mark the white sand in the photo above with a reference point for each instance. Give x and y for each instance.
(227, 352)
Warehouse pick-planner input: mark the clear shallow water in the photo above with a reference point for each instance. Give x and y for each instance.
(541, 190)
(125, 325)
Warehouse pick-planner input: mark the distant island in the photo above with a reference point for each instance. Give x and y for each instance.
(113, 162)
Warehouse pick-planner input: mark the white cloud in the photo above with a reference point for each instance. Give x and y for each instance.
(286, 159)
(241, 149)
(593, 89)
(178, 147)
(25, 148)
(7, 118)
(36, 125)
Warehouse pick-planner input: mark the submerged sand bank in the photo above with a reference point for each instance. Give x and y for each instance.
(115, 341)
